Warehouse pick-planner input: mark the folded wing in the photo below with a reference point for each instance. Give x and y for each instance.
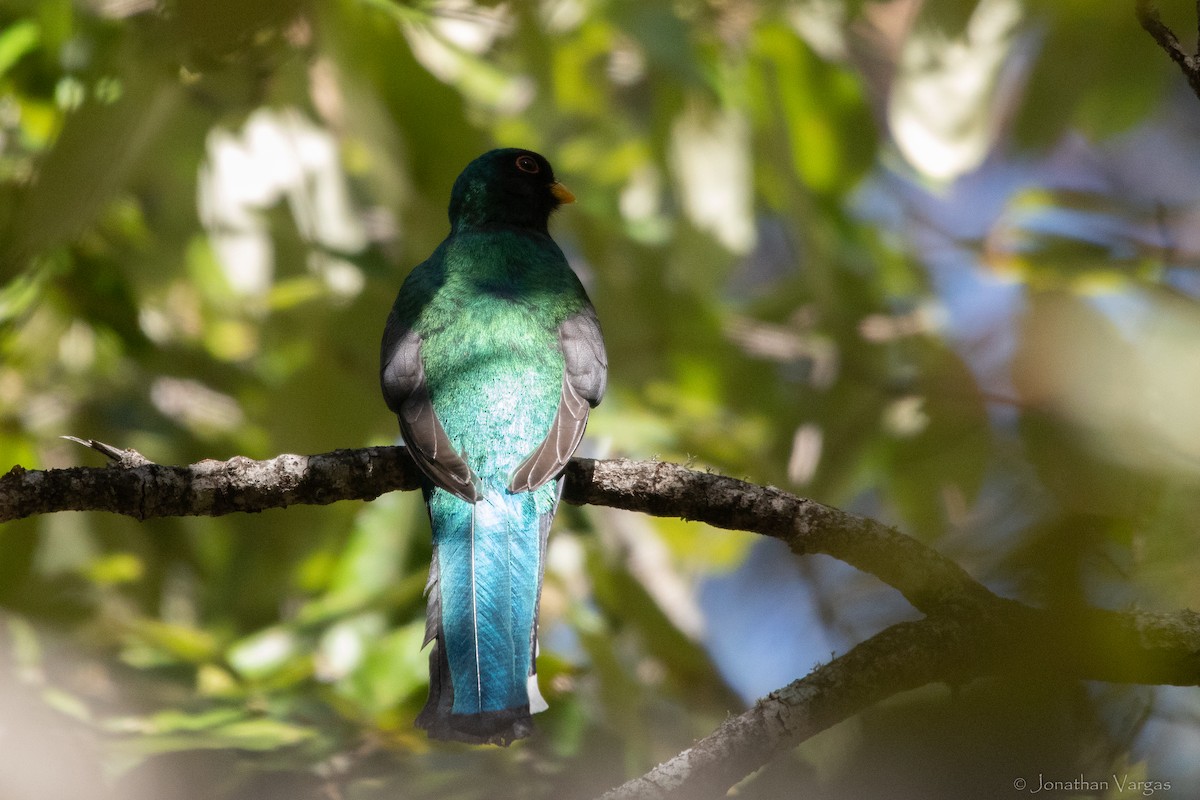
(403, 379)
(585, 374)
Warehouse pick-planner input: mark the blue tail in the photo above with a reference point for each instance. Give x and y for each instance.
(484, 583)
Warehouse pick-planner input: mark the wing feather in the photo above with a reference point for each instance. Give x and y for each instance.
(402, 376)
(585, 374)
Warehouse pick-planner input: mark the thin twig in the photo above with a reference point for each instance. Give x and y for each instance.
(1151, 21)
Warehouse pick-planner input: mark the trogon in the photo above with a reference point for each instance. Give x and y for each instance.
(492, 357)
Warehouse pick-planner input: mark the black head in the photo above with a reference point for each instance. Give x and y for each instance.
(510, 187)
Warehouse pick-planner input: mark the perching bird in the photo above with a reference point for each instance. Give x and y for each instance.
(492, 358)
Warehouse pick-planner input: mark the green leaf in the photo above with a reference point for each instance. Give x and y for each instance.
(179, 642)
(266, 652)
(16, 40)
(392, 668)
(211, 730)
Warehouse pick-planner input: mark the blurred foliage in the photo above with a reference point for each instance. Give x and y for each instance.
(932, 261)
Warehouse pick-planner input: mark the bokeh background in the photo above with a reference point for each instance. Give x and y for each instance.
(933, 262)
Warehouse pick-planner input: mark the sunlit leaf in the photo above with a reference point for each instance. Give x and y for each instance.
(175, 641)
(391, 668)
(265, 652)
(15, 41)
(115, 569)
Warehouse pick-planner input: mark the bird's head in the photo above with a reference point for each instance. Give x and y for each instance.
(506, 187)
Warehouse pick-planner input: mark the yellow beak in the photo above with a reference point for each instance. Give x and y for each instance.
(561, 193)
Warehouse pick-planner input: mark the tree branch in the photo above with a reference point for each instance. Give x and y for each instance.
(927, 579)
(951, 649)
(969, 631)
(141, 489)
(1151, 21)
(136, 487)
(903, 657)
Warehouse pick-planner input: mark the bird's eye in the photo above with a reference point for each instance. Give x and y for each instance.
(527, 164)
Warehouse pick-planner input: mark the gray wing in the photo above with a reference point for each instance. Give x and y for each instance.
(402, 377)
(585, 373)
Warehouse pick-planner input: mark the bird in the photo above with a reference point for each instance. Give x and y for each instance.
(492, 358)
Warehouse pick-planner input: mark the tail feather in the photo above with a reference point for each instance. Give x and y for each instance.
(483, 596)
(537, 703)
(433, 603)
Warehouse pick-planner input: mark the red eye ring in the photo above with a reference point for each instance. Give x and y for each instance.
(528, 164)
